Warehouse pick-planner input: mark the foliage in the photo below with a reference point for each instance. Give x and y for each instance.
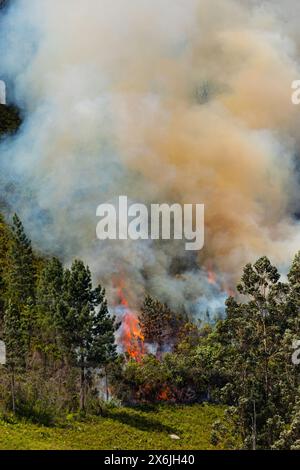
(52, 320)
(60, 341)
(84, 323)
(159, 324)
(257, 337)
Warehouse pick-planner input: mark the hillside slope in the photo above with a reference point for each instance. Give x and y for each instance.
(122, 429)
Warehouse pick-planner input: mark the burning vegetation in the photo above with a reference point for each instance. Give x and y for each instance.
(163, 355)
(154, 328)
(130, 338)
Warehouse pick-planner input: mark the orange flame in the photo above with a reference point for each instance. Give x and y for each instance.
(165, 394)
(211, 275)
(212, 279)
(229, 291)
(131, 337)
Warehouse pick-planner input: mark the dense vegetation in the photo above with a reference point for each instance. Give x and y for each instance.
(59, 337)
(226, 385)
(53, 322)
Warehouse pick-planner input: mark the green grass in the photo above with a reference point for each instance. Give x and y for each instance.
(121, 429)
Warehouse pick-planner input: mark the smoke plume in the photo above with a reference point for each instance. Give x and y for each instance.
(184, 101)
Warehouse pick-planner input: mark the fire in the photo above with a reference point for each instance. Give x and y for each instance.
(230, 292)
(165, 394)
(211, 275)
(131, 338)
(212, 278)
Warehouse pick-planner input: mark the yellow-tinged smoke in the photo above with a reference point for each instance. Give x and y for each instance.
(171, 101)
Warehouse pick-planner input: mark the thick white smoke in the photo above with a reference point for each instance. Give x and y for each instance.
(165, 101)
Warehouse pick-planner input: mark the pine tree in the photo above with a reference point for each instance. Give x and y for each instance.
(15, 346)
(50, 284)
(159, 324)
(22, 271)
(5, 243)
(20, 278)
(49, 295)
(85, 323)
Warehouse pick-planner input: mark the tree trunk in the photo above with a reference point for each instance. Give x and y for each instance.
(266, 361)
(106, 384)
(159, 351)
(82, 388)
(13, 389)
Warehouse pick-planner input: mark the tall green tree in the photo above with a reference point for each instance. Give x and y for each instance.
(252, 335)
(22, 271)
(159, 324)
(294, 297)
(15, 345)
(49, 295)
(85, 323)
(21, 277)
(5, 244)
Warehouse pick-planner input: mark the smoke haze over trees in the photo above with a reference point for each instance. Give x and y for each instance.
(203, 115)
(60, 340)
(176, 101)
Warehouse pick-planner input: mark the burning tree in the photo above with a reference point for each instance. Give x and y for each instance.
(159, 324)
(155, 328)
(131, 337)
